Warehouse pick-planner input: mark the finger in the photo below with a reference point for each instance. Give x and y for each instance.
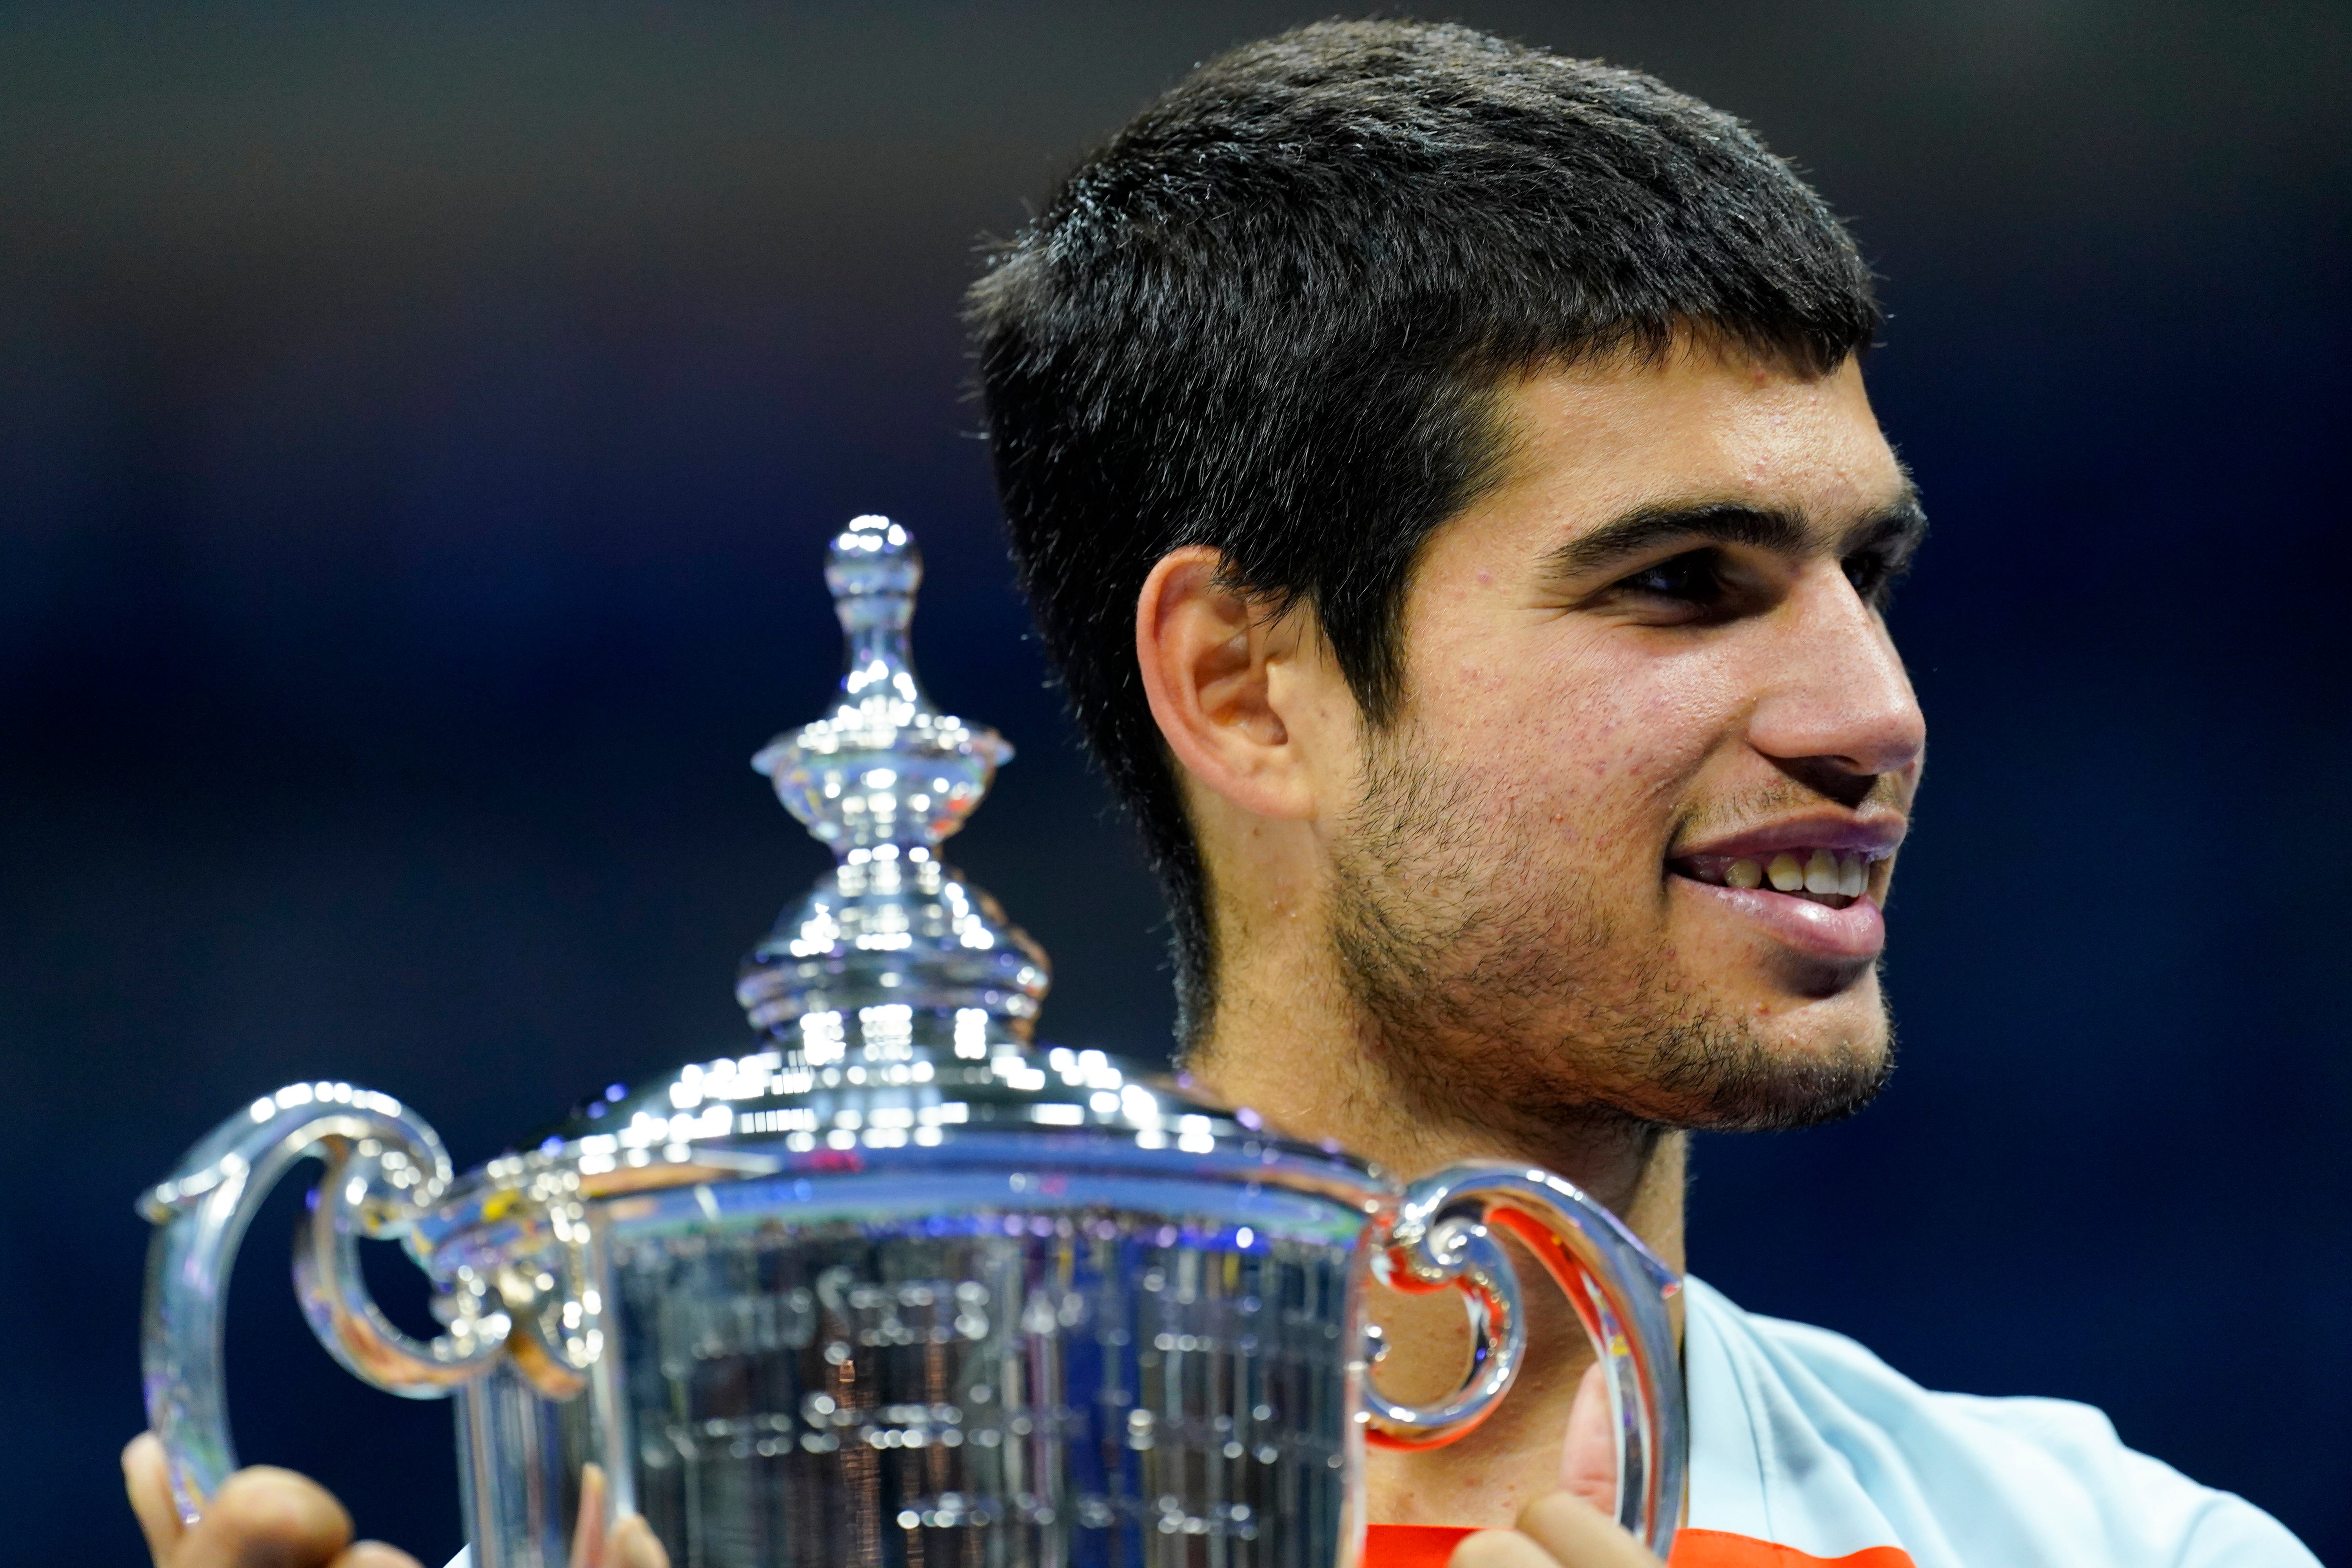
(1575, 1532)
(375, 1554)
(1499, 1549)
(1588, 1458)
(147, 1476)
(588, 1531)
(635, 1545)
(267, 1518)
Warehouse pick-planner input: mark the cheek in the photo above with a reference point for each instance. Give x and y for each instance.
(1586, 725)
(1599, 747)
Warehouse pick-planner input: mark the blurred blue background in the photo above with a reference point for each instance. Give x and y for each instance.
(419, 426)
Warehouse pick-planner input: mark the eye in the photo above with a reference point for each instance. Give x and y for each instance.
(1698, 587)
(1694, 578)
(1880, 561)
(1875, 570)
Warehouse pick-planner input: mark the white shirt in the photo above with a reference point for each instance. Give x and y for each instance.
(1802, 1438)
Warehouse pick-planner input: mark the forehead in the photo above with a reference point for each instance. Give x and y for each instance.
(1592, 441)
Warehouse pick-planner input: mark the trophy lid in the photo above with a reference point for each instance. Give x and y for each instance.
(893, 1004)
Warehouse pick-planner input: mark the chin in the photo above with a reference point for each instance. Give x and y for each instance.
(1757, 1057)
(1820, 1018)
(1789, 1062)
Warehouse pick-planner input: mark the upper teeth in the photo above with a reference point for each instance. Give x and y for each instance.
(1821, 871)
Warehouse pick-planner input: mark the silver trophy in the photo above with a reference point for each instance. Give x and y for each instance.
(896, 1286)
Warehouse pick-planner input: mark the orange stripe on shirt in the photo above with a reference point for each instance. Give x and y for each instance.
(1720, 1549)
(1429, 1545)
(1409, 1545)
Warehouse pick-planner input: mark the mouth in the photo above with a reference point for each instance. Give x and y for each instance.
(1817, 874)
(1815, 890)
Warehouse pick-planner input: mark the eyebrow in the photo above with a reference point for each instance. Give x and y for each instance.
(1894, 527)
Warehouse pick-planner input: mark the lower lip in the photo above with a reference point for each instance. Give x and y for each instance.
(1856, 931)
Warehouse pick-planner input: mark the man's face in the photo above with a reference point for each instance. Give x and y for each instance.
(1627, 844)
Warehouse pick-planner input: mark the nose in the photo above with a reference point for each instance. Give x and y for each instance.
(1837, 696)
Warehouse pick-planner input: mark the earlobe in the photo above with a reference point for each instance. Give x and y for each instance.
(1205, 652)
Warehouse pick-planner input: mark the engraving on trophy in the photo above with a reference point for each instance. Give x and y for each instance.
(1001, 1387)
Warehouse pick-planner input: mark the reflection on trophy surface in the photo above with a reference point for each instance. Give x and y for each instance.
(896, 1285)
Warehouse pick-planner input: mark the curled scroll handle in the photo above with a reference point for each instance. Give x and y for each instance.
(383, 1167)
(1441, 1235)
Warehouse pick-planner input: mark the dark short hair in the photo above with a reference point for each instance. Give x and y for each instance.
(1270, 317)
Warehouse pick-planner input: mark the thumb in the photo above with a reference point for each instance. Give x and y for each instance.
(1587, 1458)
(265, 1515)
(1557, 1530)
(146, 1475)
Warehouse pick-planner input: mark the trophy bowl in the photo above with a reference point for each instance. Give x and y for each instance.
(896, 1286)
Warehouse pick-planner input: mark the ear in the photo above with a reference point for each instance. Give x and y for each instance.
(1211, 663)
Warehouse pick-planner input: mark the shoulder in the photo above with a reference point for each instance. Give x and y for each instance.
(1952, 1478)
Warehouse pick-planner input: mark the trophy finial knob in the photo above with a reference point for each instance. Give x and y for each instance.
(873, 558)
(880, 781)
(885, 768)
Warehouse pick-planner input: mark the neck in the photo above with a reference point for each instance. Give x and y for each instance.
(1289, 1041)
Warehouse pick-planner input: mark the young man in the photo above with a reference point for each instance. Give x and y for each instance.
(1443, 474)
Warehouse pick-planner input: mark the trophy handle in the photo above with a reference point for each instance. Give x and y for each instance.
(384, 1166)
(1441, 1237)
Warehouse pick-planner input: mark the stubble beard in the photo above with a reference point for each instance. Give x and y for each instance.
(1531, 1007)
